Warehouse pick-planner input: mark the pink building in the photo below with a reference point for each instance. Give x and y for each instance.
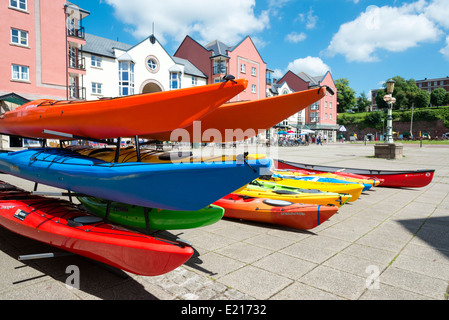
(322, 115)
(217, 59)
(42, 49)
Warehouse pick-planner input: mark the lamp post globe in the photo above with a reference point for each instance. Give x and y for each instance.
(390, 100)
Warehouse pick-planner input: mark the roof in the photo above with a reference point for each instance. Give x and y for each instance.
(14, 98)
(312, 80)
(102, 46)
(125, 57)
(189, 68)
(219, 48)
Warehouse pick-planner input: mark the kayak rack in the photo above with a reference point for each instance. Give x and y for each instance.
(118, 143)
(43, 255)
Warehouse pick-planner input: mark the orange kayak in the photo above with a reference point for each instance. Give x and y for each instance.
(295, 215)
(127, 116)
(242, 120)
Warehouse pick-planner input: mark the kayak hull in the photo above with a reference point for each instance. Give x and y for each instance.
(391, 178)
(354, 190)
(293, 215)
(242, 120)
(119, 117)
(152, 219)
(162, 186)
(55, 222)
(322, 198)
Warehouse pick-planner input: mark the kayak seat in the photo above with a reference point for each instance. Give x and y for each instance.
(284, 192)
(277, 203)
(175, 155)
(83, 220)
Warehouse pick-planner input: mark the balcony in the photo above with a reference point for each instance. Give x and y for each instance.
(77, 93)
(220, 69)
(76, 32)
(78, 63)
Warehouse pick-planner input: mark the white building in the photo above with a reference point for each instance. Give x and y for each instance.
(278, 89)
(118, 69)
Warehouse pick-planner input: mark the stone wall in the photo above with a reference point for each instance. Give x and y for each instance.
(434, 128)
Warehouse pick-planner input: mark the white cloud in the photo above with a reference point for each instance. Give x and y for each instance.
(277, 73)
(438, 11)
(205, 20)
(295, 37)
(309, 19)
(313, 66)
(445, 51)
(393, 29)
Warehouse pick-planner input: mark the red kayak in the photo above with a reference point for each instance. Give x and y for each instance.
(391, 178)
(63, 225)
(279, 212)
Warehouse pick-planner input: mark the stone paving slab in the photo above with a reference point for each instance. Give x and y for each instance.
(390, 244)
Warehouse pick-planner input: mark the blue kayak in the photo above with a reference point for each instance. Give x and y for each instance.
(171, 186)
(366, 186)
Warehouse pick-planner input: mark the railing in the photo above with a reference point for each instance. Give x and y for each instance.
(77, 63)
(76, 32)
(76, 92)
(220, 69)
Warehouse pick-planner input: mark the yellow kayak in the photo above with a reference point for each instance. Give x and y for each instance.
(313, 197)
(373, 182)
(354, 189)
(129, 154)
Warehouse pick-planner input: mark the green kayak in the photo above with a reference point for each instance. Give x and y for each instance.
(152, 219)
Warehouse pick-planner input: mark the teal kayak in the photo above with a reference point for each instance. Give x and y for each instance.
(138, 217)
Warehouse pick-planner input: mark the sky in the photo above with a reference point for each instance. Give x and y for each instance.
(364, 41)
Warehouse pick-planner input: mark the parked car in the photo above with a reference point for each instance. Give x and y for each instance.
(445, 135)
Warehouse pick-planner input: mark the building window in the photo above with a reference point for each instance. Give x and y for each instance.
(217, 80)
(242, 68)
(95, 61)
(75, 90)
(20, 72)
(126, 78)
(96, 88)
(18, 4)
(314, 106)
(152, 64)
(219, 67)
(19, 37)
(253, 88)
(175, 80)
(314, 117)
(253, 71)
(194, 81)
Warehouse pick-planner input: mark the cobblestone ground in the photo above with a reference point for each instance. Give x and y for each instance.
(390, 244)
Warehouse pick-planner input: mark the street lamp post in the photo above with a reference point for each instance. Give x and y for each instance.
(388, 98)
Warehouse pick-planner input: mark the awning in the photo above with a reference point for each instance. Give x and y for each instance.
(14, 98)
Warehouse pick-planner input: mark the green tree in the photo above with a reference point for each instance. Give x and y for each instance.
(422, 99)
(345, 95)
(404, 92)
(363, 103)
(381, 104)
(438, 97)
